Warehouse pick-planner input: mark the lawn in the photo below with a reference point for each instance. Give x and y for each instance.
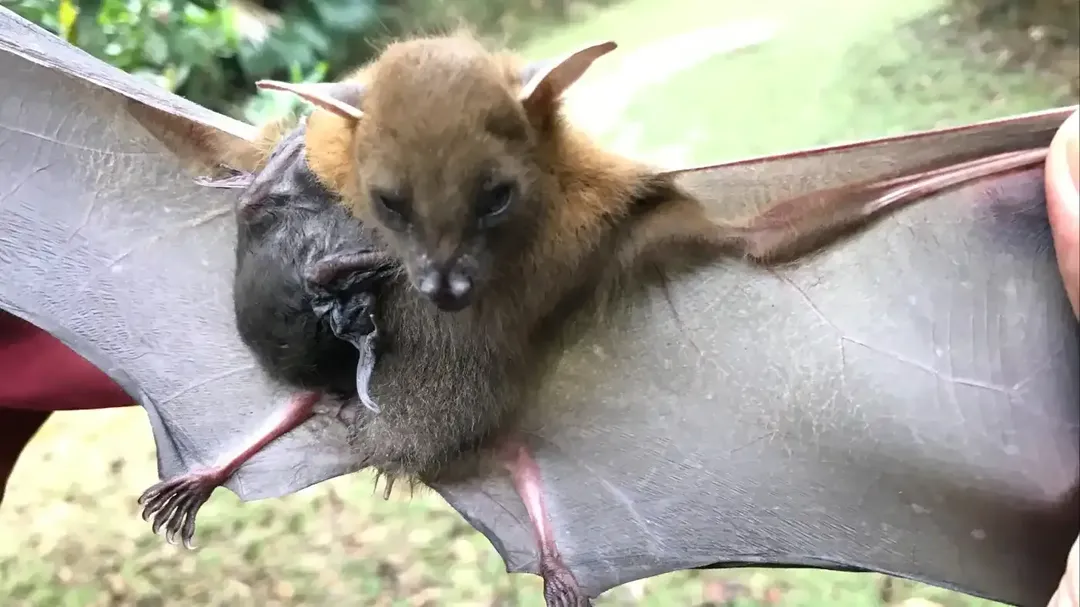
(834, 70)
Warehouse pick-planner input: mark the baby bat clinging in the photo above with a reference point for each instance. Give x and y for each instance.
(506, 221)
(309, 325)
(293, 239)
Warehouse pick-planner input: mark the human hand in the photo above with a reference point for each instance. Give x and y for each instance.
(1063, 205)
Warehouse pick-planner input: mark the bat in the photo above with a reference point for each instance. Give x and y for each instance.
(475, 181)
(902, 404)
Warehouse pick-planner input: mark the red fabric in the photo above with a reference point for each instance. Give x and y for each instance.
(38, 372)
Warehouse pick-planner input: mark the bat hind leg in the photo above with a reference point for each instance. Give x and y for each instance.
(174, 503)
(561, 588)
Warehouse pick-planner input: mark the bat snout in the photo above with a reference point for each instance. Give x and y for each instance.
(450, 288)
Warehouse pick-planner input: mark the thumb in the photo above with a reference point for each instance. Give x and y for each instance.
(1063, 203)
(1063, 206)
(1068, 593)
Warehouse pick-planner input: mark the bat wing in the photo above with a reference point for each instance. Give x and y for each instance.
(108, 244)
(905, 402)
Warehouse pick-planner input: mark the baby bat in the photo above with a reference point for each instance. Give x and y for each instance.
(507, 221)
(292, 242)
(308, 324)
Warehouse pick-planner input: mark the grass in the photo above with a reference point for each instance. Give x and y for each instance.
(70, 534)
(835, 71)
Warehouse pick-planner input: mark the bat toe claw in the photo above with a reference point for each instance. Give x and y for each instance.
(174, 504)
(561, 589)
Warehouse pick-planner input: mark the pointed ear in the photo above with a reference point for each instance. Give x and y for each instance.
(341, 98)
(546, 81)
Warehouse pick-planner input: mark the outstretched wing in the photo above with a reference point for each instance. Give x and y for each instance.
(904, 402)
(107, 242)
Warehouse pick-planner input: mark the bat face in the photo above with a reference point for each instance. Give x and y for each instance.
(451, 149)
(446, 163)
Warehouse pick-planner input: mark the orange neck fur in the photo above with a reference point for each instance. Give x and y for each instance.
(329, 149)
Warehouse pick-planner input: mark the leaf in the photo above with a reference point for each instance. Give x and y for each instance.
(156, 48)
(90, 8)
(208, 5)
(345, 15)
(312, 36)
(66, 15)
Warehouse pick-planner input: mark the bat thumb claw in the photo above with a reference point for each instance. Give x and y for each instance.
(363, 379)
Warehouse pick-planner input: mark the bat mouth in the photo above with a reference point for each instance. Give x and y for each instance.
(447, 302)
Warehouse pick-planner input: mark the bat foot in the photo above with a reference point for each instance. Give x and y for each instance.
(174, 504)
(561, 588)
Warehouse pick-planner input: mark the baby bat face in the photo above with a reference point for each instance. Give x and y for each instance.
(447, 167)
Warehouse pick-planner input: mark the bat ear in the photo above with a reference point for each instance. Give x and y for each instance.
(341, 98)
(544, 82)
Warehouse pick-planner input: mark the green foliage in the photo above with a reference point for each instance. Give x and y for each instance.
(212, 51)
(177, 45)
(307, 33)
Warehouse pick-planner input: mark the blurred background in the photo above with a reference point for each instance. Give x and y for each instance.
(694, 81)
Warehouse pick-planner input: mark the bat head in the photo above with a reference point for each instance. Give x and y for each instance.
(453, 155)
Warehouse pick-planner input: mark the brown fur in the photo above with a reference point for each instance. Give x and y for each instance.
(435, 109)
(438, 115)
(329, 142)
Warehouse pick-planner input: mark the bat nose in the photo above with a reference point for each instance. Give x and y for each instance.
(449, 290)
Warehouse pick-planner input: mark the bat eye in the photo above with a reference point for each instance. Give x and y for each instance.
(495, 199)
(392, 203)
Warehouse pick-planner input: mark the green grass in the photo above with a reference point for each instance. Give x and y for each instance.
(835, 71)
(70, 534)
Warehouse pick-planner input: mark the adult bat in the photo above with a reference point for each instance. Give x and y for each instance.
(903, 402)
